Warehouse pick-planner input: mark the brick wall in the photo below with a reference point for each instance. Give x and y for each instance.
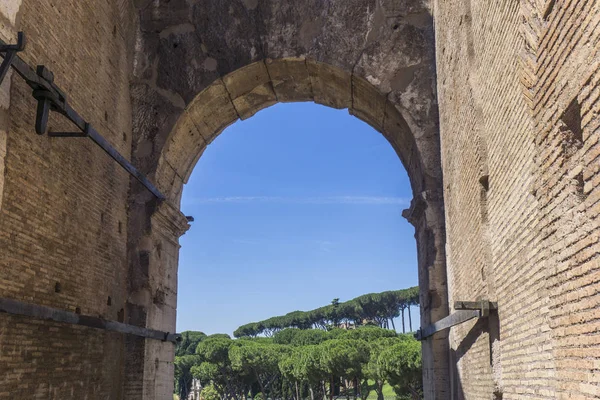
(63, 214)
(566, 109)
(518, 89)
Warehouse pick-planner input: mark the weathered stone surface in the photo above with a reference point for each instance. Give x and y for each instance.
(185, 78)
(176, 152)
(387, 62)
(368, 103)
(229, 34)
(157, 15)
(331, 86)
(212, 110)
(262, 96)
(144, 62)
(246, 79)
(398, 133)
(250, 89)
(290, 79)
(330, 32)
(153, 118)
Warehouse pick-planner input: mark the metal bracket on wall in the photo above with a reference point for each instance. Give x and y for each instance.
(465, 311)
(53, 314)
(51, 98)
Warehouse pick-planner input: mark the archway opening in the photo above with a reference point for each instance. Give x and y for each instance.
(240, 95)
(300, 204)
(293, 209)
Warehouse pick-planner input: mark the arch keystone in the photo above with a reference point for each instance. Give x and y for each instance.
(290, 79)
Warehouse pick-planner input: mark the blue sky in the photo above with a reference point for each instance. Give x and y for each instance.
(293, 207)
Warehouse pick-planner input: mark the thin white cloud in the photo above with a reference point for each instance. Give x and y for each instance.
(356, 200)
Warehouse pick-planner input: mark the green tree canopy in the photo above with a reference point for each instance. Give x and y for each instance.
(345, 357)
(329, 351)
(286, 336)
(309, 336)
(214, 349)
(401, 367)
(367, 333)
(209, 392)
(372, 308)
(189, 342)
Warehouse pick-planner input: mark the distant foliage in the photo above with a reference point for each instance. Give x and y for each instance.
(308, 355)
(209, 393)
(183, 374)
(299, 364)
(370, 309)
(185, 359)
(400, 365)
(188, 343)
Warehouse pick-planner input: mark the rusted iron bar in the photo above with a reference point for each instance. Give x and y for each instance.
(465, 311)
(455, 318)
(15, 307)
(51, 98)
(484, 305)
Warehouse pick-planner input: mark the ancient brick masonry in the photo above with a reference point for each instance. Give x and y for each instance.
(517, 86)
(63, 214)
(505, 175)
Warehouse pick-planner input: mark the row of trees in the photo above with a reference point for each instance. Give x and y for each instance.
(373, 308)
(295, 364)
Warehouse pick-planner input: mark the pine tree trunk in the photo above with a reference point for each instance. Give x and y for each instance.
(409, 319)
(262, 387)
(393, 325)
(379, 390)
(403, 328)
(331, 389)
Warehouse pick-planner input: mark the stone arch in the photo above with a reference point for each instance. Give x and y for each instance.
(242, 93)
(200, 66)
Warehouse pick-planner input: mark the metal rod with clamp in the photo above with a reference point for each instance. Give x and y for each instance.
(53, 314)
(51, 98)
(465, 311)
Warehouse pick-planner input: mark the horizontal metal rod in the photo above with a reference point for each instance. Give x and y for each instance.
(53, 314)
(475, 305)
(39, 83)
(457, 317)
(123, 162)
